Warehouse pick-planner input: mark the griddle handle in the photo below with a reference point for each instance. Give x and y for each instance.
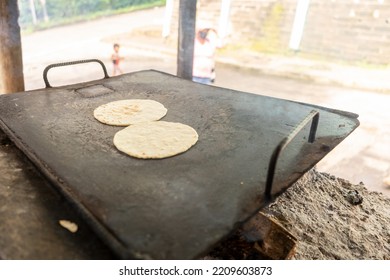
(47, 84)
(314, 117)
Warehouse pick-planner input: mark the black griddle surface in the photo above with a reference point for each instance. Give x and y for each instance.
(174, 208)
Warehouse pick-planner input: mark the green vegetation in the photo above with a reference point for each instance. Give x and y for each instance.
(60, 12)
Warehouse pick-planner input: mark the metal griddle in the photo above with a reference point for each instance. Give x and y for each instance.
(178, 207)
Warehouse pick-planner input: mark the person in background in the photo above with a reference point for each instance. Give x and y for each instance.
(206, 43)
(116, 59)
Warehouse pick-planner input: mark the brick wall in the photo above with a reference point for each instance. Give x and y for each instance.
(346, 30)
(350, 30)
(264, 25)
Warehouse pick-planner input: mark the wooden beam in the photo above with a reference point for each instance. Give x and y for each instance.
(11, 63)
(185, 53)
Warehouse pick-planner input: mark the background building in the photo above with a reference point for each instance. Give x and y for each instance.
(353, 31)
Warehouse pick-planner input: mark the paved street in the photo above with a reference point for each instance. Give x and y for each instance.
(364, 156)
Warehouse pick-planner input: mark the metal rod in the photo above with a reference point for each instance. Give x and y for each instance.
(313, 127)
(185, 52)
(314, 118)
(47, 84)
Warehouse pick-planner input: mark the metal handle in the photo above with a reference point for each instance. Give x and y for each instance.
(47, 84)
(314, 117)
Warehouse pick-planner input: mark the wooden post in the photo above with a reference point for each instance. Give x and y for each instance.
(185, 53)
(11, 63)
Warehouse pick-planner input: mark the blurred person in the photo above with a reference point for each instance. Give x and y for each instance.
(116, 59)
(206, 43)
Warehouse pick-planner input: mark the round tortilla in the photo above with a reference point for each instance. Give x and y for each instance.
(130, 111)
(153, 140)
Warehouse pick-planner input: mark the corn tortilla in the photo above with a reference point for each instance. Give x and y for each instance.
(155, 140)
(129, 111)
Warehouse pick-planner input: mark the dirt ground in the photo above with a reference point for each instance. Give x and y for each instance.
(330, 218)
(334, 219)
